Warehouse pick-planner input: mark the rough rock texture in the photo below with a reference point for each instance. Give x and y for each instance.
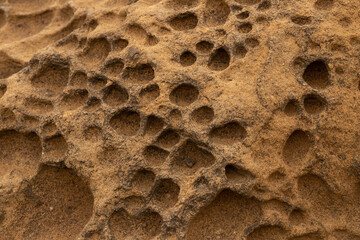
(180, 119)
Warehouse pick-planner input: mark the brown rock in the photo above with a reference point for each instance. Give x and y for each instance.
(179, 119)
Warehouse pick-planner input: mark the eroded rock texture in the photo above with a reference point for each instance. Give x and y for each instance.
(180, 119)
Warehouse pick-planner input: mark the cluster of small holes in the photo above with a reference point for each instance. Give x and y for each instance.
(127, 121)
(71, 90)
(169, 145)
(220, 58)
(245, 25)
(299, 143)
(138, 35)
(316, 76)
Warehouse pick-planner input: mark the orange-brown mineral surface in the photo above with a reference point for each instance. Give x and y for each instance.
(179, 119)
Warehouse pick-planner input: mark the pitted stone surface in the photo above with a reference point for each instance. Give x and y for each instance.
(179, 119)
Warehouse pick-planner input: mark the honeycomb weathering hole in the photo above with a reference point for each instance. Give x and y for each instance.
(115, 95)
(175, 117)
(3, 89)
(225, 217)
(38, 106)
(93, 134)
(154, 155)
(240, 50)
(96, 52)
(55, 204)
(219, 60)
(153, 125)
(190, 158)
(126, 122)
(314, 104)
(53, 77)
(187, 59)
(30, 121)
(301, 20)
(184, 21)
(165, 193)
(144, 226)
(204, 47)
(316, 75)
(68, 44)
(55, 148)
(98, 82)
(74, 99)
(149, 93)
(134, 204)
(79, 80)
(228, 133)
(140, 74)
(245, 28)
(143, 180)
(19, 151)
(243, 15)
(291, 108)
(120, 44)
(238, 174)
(216, 12)
(168, 138)
(184, 94)
(2, 216)
(2, 17)
(139, 34)
(49, 129)
(93, 104)
(152, 40)
(297, 216)
(252, 42)
(7, 117)
(203, 115)
(296, 147)
(8, 66)
(114, 68)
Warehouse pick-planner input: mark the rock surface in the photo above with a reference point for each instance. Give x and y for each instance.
(180, 119)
